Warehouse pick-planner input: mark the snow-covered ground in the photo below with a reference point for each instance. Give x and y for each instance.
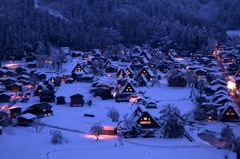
(22, 142)
(233, 33)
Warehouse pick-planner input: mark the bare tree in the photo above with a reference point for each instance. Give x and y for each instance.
(38, 125)
(96, 130)
(113, 114)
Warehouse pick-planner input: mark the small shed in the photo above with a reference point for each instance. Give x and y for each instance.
(47, 96)
(108, 130)
(61, 100)
(77, 100)
(26, 119)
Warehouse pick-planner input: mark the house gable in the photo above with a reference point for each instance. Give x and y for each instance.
(78, 68)
(128, 89)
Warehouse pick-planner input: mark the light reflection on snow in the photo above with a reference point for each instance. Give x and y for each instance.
(101, 137)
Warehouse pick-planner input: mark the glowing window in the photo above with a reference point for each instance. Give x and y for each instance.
(232, 113)
(227, 113)
(145, 122)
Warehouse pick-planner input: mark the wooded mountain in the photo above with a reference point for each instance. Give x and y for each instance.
(88, 24)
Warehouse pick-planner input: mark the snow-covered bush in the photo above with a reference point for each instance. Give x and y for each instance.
(57, 137)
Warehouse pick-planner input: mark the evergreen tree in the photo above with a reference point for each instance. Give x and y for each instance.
(171, 121)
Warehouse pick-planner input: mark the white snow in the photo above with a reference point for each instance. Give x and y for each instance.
(24, 142)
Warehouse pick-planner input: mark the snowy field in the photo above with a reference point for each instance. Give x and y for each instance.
(25, 143)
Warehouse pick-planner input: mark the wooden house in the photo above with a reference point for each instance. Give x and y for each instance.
(41, 76)
(164, 68)
(200, 72)
(79, 68)
(8, 81)
(142, 81)
(143, 118)
(15, 111)
(104, 93)
(26, 119)
(129, 72)
(39, 89)
(96, 52)
(147, 72)
(60, 100)
(40, 110)
(111, 69)
(4, 97)
(143, 60)
(136, 51)
(20, 70)
(16, 87)
(128, 89)
(85, 56)
(107, 63)
(228, 114)
(47, 96)
(121, 73)
(108, 130)
(77, 100)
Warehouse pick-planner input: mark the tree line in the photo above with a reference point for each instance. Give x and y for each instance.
(180, 24)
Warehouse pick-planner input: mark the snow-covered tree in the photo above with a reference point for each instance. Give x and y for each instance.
(171, 121)
(113, 114)
(96, 130)
(228, 136)
(199, 114)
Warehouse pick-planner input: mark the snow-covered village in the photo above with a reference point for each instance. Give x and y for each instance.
(128, 104)
(117, 79)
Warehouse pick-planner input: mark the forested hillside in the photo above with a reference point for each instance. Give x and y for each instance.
(87, 24)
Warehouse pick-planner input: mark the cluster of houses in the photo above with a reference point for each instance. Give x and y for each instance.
(134, 68)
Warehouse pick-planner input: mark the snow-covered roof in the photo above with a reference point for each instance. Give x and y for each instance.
(28, 116)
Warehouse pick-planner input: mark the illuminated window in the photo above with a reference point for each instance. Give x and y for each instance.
(232, 113)
(227, 113)
(145, 122)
